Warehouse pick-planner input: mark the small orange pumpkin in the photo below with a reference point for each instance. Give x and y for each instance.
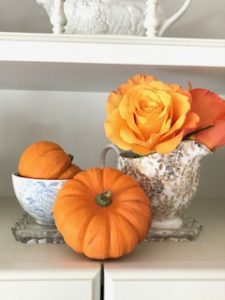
(102, 213)
(46, 160)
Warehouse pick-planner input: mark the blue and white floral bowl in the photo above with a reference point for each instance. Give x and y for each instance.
(37, 196)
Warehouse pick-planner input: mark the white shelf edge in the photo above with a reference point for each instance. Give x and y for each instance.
(157, 273)
(122, 50)
(112, 39)
(56, 274)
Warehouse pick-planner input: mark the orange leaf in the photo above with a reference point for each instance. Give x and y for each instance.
(208, 105)
(213, 137)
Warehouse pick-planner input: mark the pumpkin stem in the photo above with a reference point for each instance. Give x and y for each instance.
(104, 199)
(70, 157)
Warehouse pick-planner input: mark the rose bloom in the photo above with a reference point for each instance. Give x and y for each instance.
(146, 115)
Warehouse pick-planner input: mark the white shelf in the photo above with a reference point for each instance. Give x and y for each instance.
(122, 50)
(100, 63)
(87, 64)
(24, 267)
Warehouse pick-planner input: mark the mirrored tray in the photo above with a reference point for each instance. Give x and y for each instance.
(27, 231)
(188, 232)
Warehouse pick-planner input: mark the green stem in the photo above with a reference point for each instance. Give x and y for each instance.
(104, 199)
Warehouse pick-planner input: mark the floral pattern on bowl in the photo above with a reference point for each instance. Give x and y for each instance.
(37, 196)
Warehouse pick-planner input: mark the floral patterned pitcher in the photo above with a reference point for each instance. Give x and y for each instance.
(171, 181)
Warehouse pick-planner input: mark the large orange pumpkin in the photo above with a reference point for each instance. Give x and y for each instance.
(102, 213)
(46, 160)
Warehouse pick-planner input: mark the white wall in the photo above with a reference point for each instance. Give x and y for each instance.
(204, 19)
(23, 16)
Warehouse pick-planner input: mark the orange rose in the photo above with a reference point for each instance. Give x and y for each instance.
(211, 110)
(146, 115)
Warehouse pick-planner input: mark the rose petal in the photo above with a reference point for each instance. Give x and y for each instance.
(129, 137)
(147, 147)
(141, 150)
(213, 137)
(124, 88)
(178, 125)
(113, 102)
(165, 98)
(166, 126)
(158, 85)
(137, 79)
(113, 125)
(181, 106)
(183, 91)
(169, 145)
(123, 107)
(152, 110)
(128, 114)
(191, 122)
(208, 105)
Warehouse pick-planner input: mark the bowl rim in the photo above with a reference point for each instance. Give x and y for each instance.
(16, 175)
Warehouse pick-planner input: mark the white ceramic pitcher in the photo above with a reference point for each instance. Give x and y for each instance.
(130, 17)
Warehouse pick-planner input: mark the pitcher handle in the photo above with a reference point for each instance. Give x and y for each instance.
(174, 18)
(104, 152)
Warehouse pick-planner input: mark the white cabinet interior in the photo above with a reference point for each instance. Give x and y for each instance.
(55, 88)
